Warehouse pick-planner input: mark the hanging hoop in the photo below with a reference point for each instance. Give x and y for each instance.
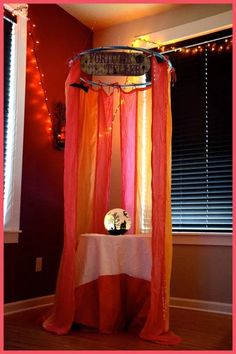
(158, 56)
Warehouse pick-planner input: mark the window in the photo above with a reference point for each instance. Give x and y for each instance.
(202, 135)
(9, 33)
(14, 96)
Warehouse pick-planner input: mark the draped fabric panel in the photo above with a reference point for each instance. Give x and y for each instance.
(61, 317)
(87, 159)
(156, 327)
(143, 162)
(103, 160)
(135, 125)
(145, 124)
(88, 138)
(128, 128)
(95, 138)
(113, 303)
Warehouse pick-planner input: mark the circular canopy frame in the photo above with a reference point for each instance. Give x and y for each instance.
(158, 56)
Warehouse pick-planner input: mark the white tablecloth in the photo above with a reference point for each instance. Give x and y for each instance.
(99, 254)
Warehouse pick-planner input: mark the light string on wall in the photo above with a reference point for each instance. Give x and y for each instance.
(55, 121)
(39, 75)
(210, 45)
(213, 45)
(149, 43)
(206, 130)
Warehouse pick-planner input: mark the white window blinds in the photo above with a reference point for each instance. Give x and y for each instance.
(202, 138)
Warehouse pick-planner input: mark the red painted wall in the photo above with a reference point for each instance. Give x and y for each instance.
(60, 36)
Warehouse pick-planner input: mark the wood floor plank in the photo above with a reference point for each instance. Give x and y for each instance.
(198, 330)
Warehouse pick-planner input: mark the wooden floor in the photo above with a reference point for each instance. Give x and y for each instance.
(198, 330)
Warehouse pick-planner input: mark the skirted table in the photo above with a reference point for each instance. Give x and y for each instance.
(113, 276)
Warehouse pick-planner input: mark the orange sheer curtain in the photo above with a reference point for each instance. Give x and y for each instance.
(95, 138)
(88, 137)
(61, 316)
(103, 160)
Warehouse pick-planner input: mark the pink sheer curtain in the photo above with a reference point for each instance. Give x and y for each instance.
(156, 327)
(128, 128)
(87, 166)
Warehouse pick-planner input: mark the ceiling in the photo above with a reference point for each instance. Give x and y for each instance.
(100, 16)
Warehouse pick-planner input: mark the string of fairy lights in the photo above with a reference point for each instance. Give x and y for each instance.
(210, 45)
(213, 45)
(33, 47)
(206, 123)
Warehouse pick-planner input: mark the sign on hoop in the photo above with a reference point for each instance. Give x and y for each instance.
(115, 64)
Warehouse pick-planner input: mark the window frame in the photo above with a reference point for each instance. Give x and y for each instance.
(12, 223)
(202, 237)
(217, 238)
(193, 42)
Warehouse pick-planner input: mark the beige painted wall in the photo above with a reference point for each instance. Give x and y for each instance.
(183, 19)
(202, 272)
(199, 271)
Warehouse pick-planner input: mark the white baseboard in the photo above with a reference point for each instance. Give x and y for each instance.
(24, 305)
(182, 303)
(201, 305)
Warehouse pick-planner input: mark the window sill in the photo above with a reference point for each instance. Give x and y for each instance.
(201, 238)
(179, 238)
(11, 236)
